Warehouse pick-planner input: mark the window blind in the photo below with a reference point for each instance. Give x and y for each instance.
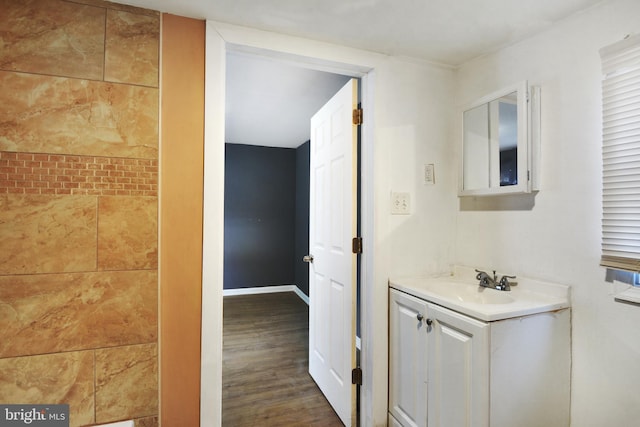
(621, 154)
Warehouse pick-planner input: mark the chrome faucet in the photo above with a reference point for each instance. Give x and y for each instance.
(486, 281)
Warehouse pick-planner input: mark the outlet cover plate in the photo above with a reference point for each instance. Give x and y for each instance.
(400, 203)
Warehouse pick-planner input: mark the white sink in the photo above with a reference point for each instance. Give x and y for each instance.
(460, 292)
(465, 293)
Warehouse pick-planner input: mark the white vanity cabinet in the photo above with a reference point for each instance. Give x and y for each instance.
(447, 369)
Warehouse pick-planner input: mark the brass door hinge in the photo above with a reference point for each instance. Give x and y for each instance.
(357, 116)
(356, 376)
(356, 245)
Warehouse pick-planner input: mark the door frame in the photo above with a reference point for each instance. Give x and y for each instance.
(213, 209)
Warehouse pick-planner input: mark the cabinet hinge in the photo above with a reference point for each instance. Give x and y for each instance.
(356, 376)
(356, 245)
(357, 116)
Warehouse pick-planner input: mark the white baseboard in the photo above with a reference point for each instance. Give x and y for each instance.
(301, 294)
(267, 290)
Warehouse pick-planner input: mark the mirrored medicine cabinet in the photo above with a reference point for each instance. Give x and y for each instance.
(500, 143)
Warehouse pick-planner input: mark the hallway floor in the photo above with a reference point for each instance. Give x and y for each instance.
(265, 375)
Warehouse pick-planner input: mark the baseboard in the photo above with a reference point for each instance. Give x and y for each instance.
(267, 290)
(301, 294)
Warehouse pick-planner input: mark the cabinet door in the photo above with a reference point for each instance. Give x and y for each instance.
(392, 422)
(458, 370)
(407, 359)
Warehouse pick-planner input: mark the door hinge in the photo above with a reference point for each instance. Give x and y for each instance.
(356, 245)
(356, 376)
(357, 116)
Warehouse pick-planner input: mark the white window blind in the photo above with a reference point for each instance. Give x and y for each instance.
(621, 154)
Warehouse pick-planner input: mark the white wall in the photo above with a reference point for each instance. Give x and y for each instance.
(412, 131)
(556, 234)
(407, 122)
(412, 123)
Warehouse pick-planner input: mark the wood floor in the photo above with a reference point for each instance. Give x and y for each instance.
(265, 376)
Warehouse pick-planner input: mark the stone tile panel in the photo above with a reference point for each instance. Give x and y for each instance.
(51, 378)
(49, 313)
(132, 48)
(146, 422)
(52, 37)
(126, 382)
(47, 234)
(119, 6)
(57, 115)
(127, 233)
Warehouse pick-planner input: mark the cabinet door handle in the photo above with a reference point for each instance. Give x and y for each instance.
(419, 317)
(429, 322)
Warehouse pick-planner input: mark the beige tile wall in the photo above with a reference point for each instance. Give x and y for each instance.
(127, 233)
(78, 208)
(47, 233)
(126, 380)
(131, 48)
(58, 378)
(52, 37)
(59, 115)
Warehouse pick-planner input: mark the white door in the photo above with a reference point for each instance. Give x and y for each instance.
(332, 273)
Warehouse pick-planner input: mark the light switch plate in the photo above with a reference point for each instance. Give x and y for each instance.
(429, 174)
(400, 203)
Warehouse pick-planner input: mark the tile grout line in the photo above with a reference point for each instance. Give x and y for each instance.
(79, 350)
(88, 79)
(97, 232)
(95, 388)
(104, 50)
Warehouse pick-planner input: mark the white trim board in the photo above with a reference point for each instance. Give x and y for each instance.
(266, 290)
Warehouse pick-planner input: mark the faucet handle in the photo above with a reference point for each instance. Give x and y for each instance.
(481, 274)
(484, 278)
(504, 281)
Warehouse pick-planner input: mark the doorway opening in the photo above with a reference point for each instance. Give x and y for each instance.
(265, 218)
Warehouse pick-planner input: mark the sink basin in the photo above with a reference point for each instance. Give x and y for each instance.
(464, 295)
(464, 292)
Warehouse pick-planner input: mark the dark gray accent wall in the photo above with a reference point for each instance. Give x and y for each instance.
(266, 216)
(259, 216)
(302, 217)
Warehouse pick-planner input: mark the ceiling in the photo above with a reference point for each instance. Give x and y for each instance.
(445, 31)
(448, 32)
(270, 103)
